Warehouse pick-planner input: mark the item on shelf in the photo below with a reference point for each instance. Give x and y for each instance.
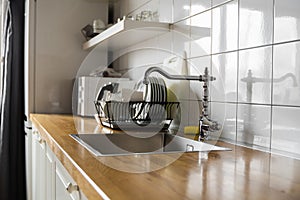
(88, 32)
(106, 72)
(98, 26)
(147, 15)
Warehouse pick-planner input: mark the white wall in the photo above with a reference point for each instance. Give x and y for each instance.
(55, 50)
(233, 37)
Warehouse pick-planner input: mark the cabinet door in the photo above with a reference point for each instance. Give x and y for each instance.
(28, 144)
(38, 167)
(66, 188)
(50, 174)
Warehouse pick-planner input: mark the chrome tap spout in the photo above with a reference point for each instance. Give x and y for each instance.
(201, 78)
(205, 123)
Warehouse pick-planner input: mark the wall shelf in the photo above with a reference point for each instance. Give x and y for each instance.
(127, 33)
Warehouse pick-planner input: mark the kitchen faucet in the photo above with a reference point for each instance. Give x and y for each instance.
(206, 125)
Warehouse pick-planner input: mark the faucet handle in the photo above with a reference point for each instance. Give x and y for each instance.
(204, 128)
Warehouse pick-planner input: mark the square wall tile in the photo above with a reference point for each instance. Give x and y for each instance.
(256, 23)
(199, 6)
(218, 2)
(253, 125)
(287, 20)
(286, 129)
(255, 72)
(225, 27)
(181, 9)
(196, 68)
(225, 115)
(201, 34)
(165, 9)
(181, 37)
(195, 108)
(286, 86)
(224, 68)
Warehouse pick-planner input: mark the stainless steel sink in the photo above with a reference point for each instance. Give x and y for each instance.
(123, 144)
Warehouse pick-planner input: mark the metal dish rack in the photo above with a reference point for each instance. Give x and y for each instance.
(136, 114)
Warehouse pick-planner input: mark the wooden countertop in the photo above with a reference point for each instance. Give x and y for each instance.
(238, 174)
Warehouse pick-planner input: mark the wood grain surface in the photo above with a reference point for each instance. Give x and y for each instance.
(242, 173)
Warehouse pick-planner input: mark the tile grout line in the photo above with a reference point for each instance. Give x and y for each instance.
(272, 78)
(237, 75)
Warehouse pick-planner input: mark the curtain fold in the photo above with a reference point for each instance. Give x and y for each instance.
(12, 134)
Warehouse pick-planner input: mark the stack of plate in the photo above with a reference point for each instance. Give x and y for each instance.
(155, 91)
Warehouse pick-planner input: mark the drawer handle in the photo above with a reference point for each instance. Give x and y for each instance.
(71, 188)
(35, 132)
(41, 141)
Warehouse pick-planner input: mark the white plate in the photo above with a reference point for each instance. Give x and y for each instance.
(157, 89)
(163, 89)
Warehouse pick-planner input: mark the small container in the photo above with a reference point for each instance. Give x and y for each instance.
(146, 15)
(98, 26)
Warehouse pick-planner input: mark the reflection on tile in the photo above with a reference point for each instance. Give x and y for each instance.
(181, 37)
(225, 115)
(165, 11)
(136, 7)
(217, 2)
(225, 27)
(199, 6)
(286, 74)
(224, 68)
(201, 34)
(286, 129)
(164, 42)
(195, 108)
(253, 124)
(196, 68)
(255, 70)
(183, 119)
(144, 57)
(181, 10)
(256, 23)
(287, 20)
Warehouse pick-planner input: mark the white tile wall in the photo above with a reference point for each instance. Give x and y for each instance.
(201, 34)
(225, 27)
(253, 124)
(181, 9)
(199, 6)
(218, 2)
(287, 74)
(239, 36)
(165, 11)
(225, 115)
(259, 61)
(286, 129)
(256, 23)
(224, 68)
(287, 20)
(181, 37)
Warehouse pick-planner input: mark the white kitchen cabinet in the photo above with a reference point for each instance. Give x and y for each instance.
(38, 167)
(50, 180)
(50, 174)
(66, 187)
(28, 153)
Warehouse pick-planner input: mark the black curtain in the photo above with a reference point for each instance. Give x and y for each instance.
(12, 134)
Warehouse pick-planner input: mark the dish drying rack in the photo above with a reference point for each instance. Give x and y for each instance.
(136, 114)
